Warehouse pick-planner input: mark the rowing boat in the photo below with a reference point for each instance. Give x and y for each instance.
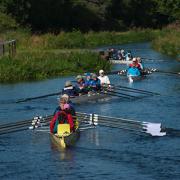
(89, 97)
(66, 139)
(120, 62)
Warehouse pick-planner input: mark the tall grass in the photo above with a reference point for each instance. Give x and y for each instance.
(40, 65)
(76, 39)
(45, 56)
(168, 43)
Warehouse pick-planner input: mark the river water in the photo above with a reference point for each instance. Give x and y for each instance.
(100, 153)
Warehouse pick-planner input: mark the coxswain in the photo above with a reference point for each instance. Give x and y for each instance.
(69, 89)
(104, 79)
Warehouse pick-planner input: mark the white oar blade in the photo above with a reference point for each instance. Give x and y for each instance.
(153, 128)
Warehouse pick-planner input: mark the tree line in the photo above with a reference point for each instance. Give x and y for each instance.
(96, 15)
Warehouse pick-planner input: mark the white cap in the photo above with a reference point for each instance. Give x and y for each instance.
(101, 71)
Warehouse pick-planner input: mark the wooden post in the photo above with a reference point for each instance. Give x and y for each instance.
(3, 49)
(11, 47)
(9, 44)
(14, 49)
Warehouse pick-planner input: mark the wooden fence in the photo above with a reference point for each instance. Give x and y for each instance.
(8, 47)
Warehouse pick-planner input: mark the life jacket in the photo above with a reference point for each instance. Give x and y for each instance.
(82, 87)
(61, 117)
(70, 91)
(95, 85)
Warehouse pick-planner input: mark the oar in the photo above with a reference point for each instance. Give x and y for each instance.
(23, 125)
(120, 72)
(138, 90)
(153, 129)
(165, 72)
(119, 93)
(135, 90)
(37, 97)
(152, 59)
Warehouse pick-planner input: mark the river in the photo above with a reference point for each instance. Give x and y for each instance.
(100, 153)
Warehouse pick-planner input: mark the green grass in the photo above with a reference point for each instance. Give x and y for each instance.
(30, 66)
(168, 43)
(45, 56)
(76, 39)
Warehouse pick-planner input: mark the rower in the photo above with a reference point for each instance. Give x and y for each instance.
(133, 71)
(81, 85)
(66, 100)
(95, 84)
(122, 54)
(63, 116)
(139, 61)
(135, 63)
(69, 89)
(105, 82)
(128, 56)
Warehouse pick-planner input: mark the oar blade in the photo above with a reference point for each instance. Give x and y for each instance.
(154, 129)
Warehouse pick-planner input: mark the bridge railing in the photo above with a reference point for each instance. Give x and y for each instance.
(8, 47)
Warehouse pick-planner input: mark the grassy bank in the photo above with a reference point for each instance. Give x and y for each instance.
(48, 55)
(40, 65)
(168, 42)
(76, 39)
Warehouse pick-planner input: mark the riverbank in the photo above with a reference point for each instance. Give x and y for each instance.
(168, 42)
(39, 65)
(77, 39)
(45, 56)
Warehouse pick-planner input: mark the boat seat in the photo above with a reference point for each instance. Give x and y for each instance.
(63, 129)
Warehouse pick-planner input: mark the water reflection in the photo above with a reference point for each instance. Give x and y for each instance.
(64, 153)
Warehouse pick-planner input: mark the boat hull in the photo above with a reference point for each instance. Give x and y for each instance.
(89, 97)
(120, 62)
(66, 141)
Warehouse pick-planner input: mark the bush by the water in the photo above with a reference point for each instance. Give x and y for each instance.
(40, 65)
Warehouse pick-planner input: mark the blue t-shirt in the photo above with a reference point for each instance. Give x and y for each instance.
(133, 71)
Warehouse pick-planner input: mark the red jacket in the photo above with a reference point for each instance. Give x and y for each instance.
(67, 117)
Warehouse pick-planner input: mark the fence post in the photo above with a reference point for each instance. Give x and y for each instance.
(11, 45)
(3, 49)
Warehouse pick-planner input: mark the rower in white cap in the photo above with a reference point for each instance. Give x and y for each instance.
(104, 79)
